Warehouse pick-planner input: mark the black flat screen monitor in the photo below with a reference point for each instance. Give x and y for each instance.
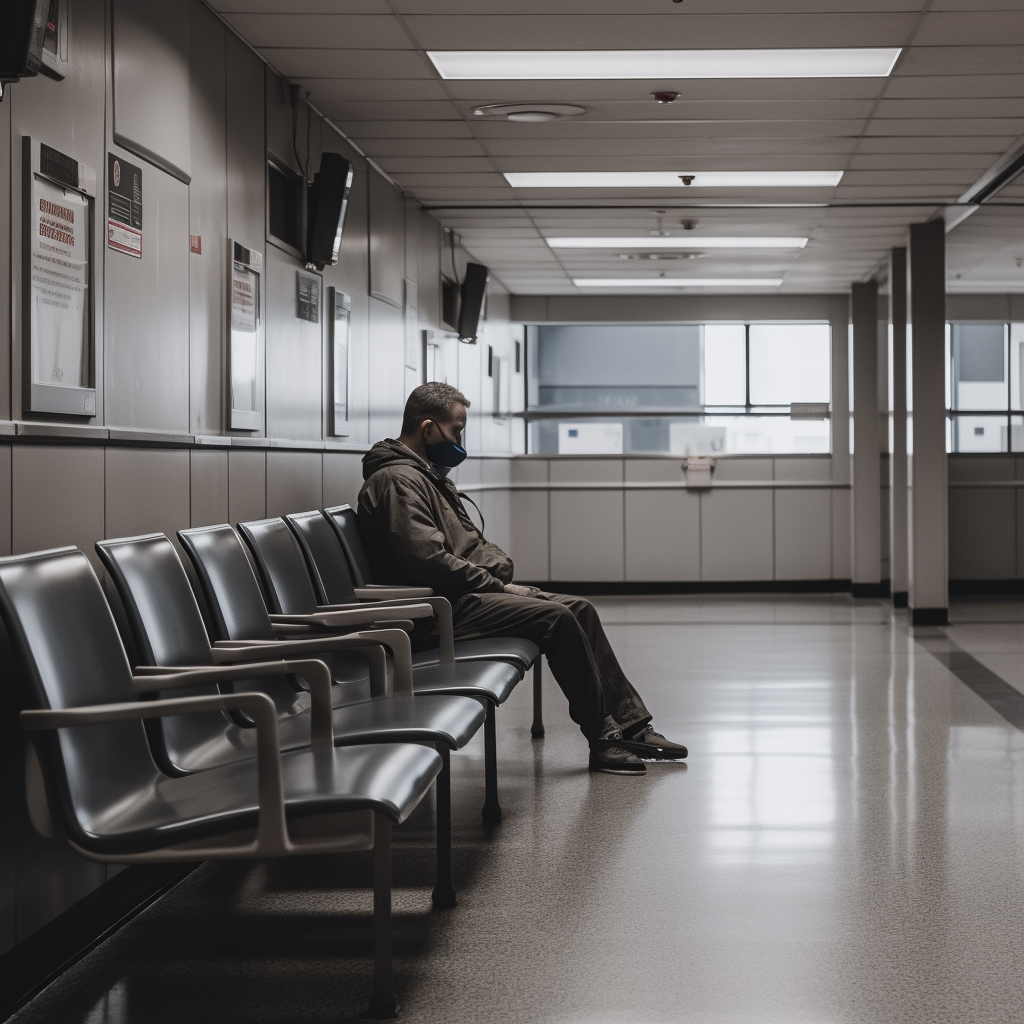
(474, 291)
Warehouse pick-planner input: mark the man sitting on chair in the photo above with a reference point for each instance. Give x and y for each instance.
(418, 533)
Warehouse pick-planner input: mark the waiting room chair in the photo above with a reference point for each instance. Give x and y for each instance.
(91, 778)
(168, 632)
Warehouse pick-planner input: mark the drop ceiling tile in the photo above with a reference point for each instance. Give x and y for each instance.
(994, 144)
(638, 8)
(968, 28)
(668, 147)
(396, 165)
(343, 31)
(347, 90)
(425, 182)
(961, 60)
(666, 31)
(973, 162)
(950, 107)
(303, 6)
(421, 147)
(364, 64)
(405, 130)
(955, 87)
(668, 130)
(909, 178)
(394, 110)
(963, 127)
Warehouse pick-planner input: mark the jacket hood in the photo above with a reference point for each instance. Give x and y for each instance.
(390, 452)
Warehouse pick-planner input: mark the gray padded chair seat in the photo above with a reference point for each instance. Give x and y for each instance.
(495, 679)
(522, 653)
(387, 777)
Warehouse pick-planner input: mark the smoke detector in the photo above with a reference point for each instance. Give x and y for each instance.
(528, 112)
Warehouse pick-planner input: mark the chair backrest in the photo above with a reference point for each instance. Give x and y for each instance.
(346, 524)
(325, 557)
(69, 654)
(232, 592)
(167, 628)
(162, 611)
(281, 565)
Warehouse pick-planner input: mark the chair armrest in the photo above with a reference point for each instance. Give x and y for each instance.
(356, 617)
(380, 592)
(442, 609)
(272, 829)
(316, 674)
(229, 652)
(383, 591)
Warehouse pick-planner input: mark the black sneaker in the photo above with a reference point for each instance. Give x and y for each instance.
(609, 757)
(652, 746)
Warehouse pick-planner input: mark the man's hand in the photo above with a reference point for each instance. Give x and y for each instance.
(520, 591)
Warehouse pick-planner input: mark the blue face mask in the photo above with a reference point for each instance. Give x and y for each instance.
(445, 455)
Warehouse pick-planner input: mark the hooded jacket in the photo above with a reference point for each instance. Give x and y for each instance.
(417, 531)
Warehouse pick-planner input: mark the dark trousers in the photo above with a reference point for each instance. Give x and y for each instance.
(568, 630)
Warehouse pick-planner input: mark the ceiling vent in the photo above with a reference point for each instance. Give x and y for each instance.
(529, 112)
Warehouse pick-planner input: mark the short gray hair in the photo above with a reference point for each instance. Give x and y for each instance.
(431, 401)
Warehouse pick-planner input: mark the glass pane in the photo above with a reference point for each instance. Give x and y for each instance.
(778, 435)
(790, 363)
(978, 434)
(725, 364)
(978, 368)
(1016, 365)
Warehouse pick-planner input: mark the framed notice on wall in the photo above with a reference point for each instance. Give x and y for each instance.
(339, 324)
(59, 371)
(244, 353)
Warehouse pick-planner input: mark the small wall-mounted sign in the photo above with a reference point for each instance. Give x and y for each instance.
(195, 244)
(307, 297)
(124, 206)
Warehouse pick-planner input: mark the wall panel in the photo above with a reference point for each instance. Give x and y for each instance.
(387, 239)
(662, 527)
(387, 377)
(529, 533)
(146, 492)
(57, 497)
(294, 482)
(147, 314)
(803, 534)
(207, 212)
(5, 499)
(982, 533)
(343, 476)
(737, 535)
(208, 485)
(247, 485)
(151, 82)
(587, 526)
(294, 355)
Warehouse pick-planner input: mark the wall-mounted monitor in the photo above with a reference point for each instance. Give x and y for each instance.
(33, 39)
(325, 210)
(471, 306)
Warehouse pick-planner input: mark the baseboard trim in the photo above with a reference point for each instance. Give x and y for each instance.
(986, 586)
(870, 589)
(900, 599)
(929, 616)
(620, 589)
(27, 968)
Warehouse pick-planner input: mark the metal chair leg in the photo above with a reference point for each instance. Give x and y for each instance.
(382, 1003)
(444, 892)
(537, 729)
(492, 809)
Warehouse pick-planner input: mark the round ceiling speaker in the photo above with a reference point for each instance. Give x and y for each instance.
(529, 112)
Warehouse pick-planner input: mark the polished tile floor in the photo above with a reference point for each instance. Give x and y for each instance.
(845, 846)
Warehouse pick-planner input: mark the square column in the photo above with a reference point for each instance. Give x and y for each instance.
(898, 426)
(928, 493)
(866, 527)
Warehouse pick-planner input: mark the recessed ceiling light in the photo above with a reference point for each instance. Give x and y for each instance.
(690, 241)
(677, 282)
(831, 62)
(673, 179)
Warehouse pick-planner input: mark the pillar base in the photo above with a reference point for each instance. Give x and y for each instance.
(900, 599)
(870, 589)
(929, 616)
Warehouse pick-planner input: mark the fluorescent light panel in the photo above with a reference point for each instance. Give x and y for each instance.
(677, 242)
(508, 65)
(677, 282)
(673, 179)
